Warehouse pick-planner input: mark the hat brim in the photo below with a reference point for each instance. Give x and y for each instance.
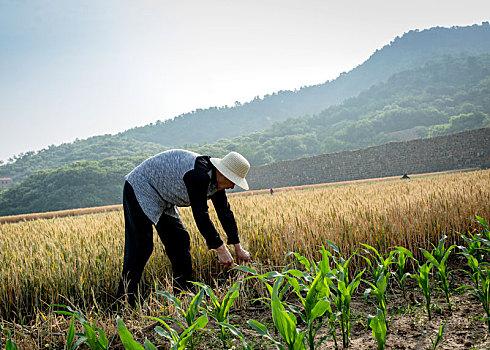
(230, 175)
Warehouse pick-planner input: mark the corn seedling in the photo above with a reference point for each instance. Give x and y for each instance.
(378, 326)
(128, 341)
(378, 290)
(400, 258)
(189, 315)
(438, 257)
(480, 277)
(316, 303)
(178, 341)
(285, 321)
(342, 290)
(439, 336)
(93, 336)
(377, 263)
(262, 330)
(423, 279)
(219, 309)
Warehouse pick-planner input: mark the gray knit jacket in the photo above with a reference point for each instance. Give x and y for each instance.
(179, 178)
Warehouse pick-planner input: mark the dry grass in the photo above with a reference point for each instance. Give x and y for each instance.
(80, 258)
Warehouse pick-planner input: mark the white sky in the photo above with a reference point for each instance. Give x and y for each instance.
(73, 69)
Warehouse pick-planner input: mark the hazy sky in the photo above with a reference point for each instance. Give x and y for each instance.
(73, 69)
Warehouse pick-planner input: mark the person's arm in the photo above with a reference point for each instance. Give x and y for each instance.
(225, 216)
(197, 184)
(227, 219)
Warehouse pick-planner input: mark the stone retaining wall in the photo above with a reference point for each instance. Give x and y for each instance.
(469, 149)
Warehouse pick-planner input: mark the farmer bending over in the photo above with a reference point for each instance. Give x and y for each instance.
(153, 191)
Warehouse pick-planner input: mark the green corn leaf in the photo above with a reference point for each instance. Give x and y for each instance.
(293, 282)
(246, 269)
(284, 321)
(334, 247)
(168, 333)
(126, 337)
(324, 264)
(378, 326)
(102, 341)
(228, 301)
(164, 333)
(320, 308)
(200, 323)
(193, 309)
(64, 313)
(430, 257)
(91, 336)
(295, 273)
(355, 282)
(482, 222)
(148, 345)
(170, 298)
(258, 327)
(303, 261)
(70, 336)
(81, 340)
(404, 251)
(209, 292)
(446, 255)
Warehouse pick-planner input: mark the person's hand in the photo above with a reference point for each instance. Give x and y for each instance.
(241, 254)
(224, 256)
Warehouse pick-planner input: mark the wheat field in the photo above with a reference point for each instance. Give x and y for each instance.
(80, 258)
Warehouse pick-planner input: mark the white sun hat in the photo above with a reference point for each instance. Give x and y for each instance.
(234, 167)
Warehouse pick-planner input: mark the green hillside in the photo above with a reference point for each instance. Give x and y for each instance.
(447, 95)
(411, 50)
(442, 97)
(94, 148)
(78, 185)
(202, 126)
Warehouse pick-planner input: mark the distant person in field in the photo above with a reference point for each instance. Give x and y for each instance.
(271, 191)
(153, 191)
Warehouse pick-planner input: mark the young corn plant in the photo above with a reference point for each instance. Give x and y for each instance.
(377, 263)
(400, 258)
(92, 336)
(342, 290)
(314, 298)
(439, 336)
(284, 321)
(438, 257)
(380, 269)
(179, 341)
(220, 309)
(128, 341)
(480, 288)
(423, 279)
(189, 314)
(378, 326)
(378, 290)
(478, 244)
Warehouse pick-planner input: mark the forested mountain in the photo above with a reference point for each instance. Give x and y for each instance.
(448, 95)
(427, 83)
(409, 51)
(94, 148)
(78, 185)
(444, 96)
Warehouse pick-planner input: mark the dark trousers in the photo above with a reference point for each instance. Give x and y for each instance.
(139, 246)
